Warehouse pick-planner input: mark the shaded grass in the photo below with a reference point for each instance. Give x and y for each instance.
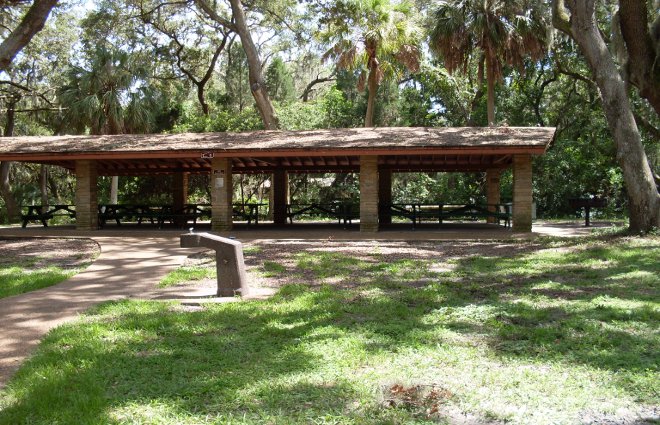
(542, 337)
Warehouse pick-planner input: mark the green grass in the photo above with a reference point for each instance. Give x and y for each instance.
(539, 338)
(19, 279)
(271, 268)
(187, 274)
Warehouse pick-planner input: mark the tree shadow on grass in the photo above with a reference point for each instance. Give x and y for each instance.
(265, 360)
(228, 360)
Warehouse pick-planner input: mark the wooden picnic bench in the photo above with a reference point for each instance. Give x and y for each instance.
(163, 214)
(43, 214)
(247, 211)
(419, 212)
(341, 211)
(180, 217)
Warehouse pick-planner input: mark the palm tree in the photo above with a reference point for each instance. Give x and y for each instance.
(377, 37)
(108, 97)
(500, 31)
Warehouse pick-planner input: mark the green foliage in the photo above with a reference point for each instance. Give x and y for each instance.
(280, 81)
(221, 120)
(438, 187)
(301, 116)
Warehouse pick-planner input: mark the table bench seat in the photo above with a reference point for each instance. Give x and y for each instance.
(417, 212)
(42, 214)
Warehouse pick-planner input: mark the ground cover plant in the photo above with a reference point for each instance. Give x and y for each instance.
(538, 332)
(29, 264)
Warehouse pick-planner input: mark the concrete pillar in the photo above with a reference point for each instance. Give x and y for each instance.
(87, 212)
(493, 191)
(222, 191)
(280, 188)
(179, 190)
(369, 193)
(384, 195)
(522, 193)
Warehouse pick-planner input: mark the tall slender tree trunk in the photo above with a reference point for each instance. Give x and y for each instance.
(13, 210)
(643, 197)
(114, 190)
(371, 100)
(490, 80)
(257, 81)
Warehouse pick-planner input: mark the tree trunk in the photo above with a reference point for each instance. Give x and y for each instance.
(490, 80)
(13, 210)
(371, 100)
(43, 184)
(33, 22)
(114, 190)
(643, 197)
(257, 81)
(643, 69)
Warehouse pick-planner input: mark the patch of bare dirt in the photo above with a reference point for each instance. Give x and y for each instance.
(47, 252)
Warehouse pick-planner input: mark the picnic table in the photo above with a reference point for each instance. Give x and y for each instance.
(440, 212)
(163, 214)
(43, 214)
(587, 204)
(341, 211)
(247, 211)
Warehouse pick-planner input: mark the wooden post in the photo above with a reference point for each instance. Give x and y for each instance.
(222, 191)
(369, 193)
(522, 193)
(280, 188)
(87, 212)
(179, 190)
(493, 191)
(384, 196)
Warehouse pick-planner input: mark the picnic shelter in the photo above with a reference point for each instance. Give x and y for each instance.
(374, 153)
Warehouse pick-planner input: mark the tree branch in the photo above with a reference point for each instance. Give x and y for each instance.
(214, 15)
(317, 80)
(560, 17)
(33, 22)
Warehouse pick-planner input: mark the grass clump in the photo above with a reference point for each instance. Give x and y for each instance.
(187, 274)
(19, 279)
(552, 336)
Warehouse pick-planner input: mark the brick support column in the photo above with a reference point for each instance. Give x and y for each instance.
(384, 195)
(522, 193)
(87, 212)
(369, 193)
(492, 191)
(179, 190)
(280, 188)
(222, 191)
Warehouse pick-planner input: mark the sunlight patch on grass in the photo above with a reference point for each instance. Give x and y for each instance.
(271, 268)
(187, 274)
(19, 280)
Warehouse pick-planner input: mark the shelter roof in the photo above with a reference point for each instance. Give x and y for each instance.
(314, 150)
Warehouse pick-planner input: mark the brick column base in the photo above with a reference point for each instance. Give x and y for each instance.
(522, 193)
(369, 193)
(87, 211)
